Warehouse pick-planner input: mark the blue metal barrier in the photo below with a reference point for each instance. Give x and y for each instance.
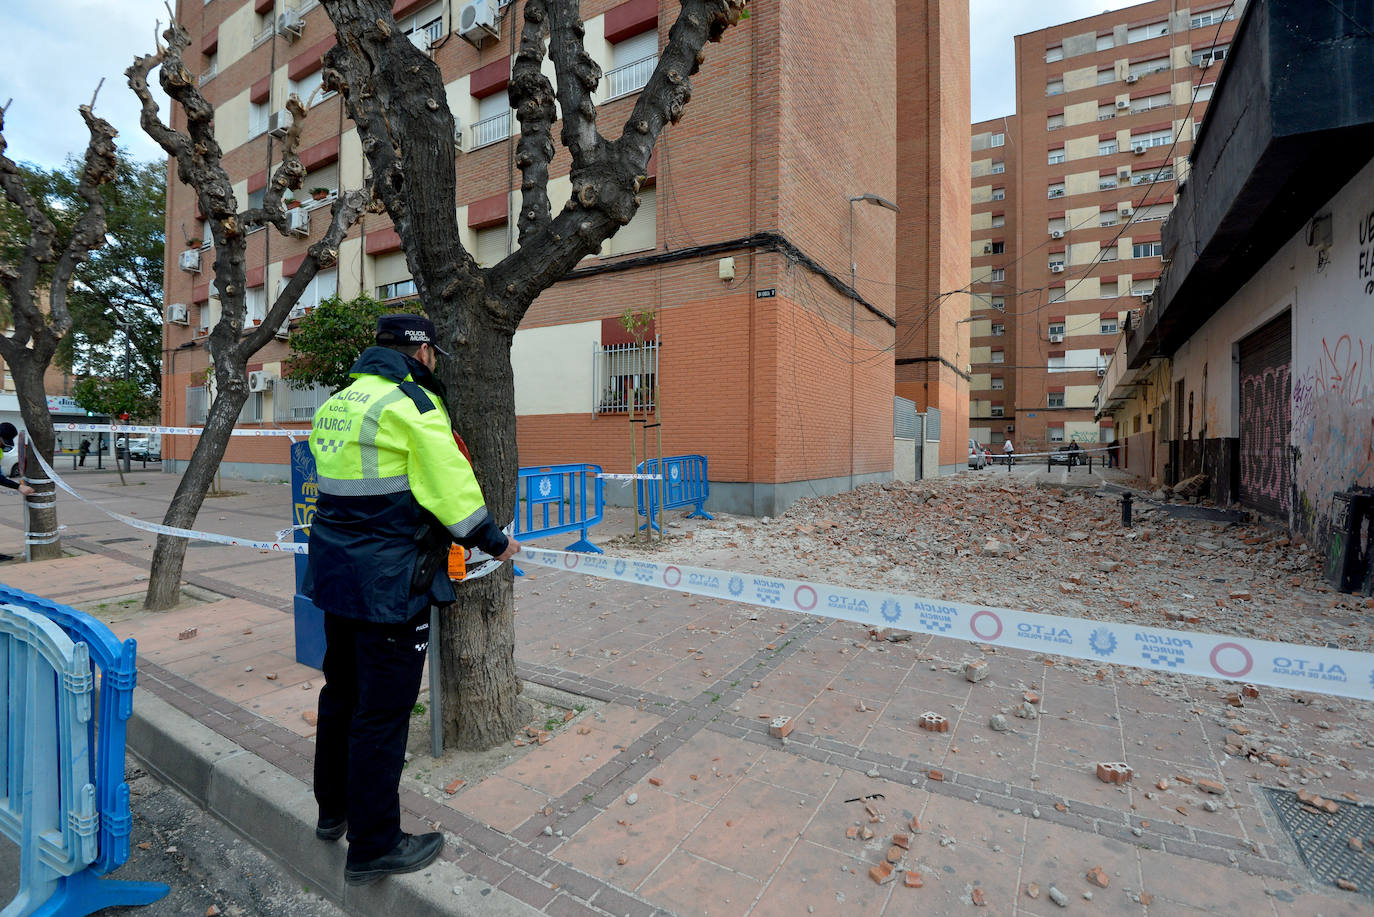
(560, 498)
(685, 484)
(309, 620)
(72, 822)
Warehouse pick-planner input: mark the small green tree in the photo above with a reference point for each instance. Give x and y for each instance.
(113, 397)
(328, 340)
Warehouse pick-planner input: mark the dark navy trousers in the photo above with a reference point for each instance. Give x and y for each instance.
(372, 678)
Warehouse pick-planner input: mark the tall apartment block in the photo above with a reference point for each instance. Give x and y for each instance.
(1069, 195)
(772, 281)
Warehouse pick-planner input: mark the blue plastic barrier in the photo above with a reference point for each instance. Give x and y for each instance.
(72, 822)
(560, 498)
(685, 484)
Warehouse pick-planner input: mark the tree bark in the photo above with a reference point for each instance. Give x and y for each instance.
(395, 95)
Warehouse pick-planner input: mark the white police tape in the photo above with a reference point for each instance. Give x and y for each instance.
(484, 563)
(609, 476)
(1345, 673)
(170, 431)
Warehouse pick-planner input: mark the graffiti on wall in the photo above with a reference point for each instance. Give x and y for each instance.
(1333, 422)
(1264, 438)
(1365, 261)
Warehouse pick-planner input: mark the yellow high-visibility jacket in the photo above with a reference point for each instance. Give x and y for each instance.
(394, 492)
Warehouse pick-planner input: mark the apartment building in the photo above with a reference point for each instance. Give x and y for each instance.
(1069, 195)
(773, 289)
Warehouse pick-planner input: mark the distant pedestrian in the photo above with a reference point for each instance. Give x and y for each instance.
(1009, 451)
(1114, 454)
(85, 450)
(1074, 451)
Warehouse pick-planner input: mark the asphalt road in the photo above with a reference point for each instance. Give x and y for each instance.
(208, 866)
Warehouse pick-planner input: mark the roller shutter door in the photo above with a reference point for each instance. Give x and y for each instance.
(1266, 359)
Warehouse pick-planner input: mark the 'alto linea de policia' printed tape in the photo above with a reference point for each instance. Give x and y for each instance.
(169, 431)
(1344, 673)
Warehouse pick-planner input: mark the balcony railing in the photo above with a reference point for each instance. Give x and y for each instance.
(491, 130)
(623, 81)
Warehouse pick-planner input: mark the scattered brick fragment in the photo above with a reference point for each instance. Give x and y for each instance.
(976, 670)
(1234, 700)
(866, 833)
(913, 880)
(1347, 885)
(1210, 786)
(454, 785)
(933, 722)
(311, 718)
(270, 676)
(980, 898)
(655, 781)
(937, 776)
(915, 825)
(851, 832)
(188, 634)
(1032, 890)
(894, 854)
(569, 715)
(622, 860)
(1355, 844)
(1117, 772)
(902, 840)
(1249, 691)
(780, 726)
(212, 911)
(881, 873)
(1097, 877)
(1146, 898)
(1031, 697)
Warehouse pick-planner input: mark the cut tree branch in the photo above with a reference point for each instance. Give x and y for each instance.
(578, 77)
(532, 97)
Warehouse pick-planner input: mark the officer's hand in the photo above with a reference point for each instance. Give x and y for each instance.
(512, 549)
(26, 490)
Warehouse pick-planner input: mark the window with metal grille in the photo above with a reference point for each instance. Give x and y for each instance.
(1054, 400)
(252, 409)
(297, 404)
(196, 405)
(626, 375)
(633, 61)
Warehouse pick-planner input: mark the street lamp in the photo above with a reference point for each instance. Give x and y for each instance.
(876, 200)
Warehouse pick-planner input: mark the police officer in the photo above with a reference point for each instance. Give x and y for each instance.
(394, 492)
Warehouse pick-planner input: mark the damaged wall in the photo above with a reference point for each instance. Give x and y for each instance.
(1324, 278)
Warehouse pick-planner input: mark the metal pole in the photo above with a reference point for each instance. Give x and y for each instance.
(853, 279)
(1126, 510)
(436, 719)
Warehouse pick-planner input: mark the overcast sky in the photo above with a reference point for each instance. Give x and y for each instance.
(57, 50)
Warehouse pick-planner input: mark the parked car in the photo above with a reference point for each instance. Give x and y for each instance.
(1062, 456)
(138, 448)
(977, 455)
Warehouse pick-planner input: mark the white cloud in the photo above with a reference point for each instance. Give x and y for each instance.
(993, 25)
(56, 51)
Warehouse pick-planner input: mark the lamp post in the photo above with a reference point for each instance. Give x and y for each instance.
(876, 200)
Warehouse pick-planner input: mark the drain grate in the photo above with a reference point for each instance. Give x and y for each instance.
(118, 540)
(1324, 840)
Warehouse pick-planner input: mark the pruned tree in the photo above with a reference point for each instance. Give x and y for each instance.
(37, 276)
(199, 164)
(395, 96)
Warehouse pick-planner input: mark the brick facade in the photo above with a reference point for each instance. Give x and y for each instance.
(1125, 78)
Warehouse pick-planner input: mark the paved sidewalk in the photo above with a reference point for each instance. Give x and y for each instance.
(726, 819)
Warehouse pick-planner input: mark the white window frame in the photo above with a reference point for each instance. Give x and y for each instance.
(998, 329)
(1102, 291)
(999, 194)
(997, 410)
(1055, 328)
(1056, 190)
(1054, 87)
(1108, 326)
(998, 167)
(998, 248)
(1106, 147)
(397, 289)
(1055, 434)
(998, 139)
(492, 129)
(1055, 157)
(998, 384)
(303, 87)
(997, 356)
(999, 220)
(998, 275)
(1147, 249)
(1055, 365)
(1054, 400)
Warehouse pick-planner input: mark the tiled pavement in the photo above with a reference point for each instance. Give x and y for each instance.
(731, 821)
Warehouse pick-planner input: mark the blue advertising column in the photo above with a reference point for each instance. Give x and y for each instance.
(309, 619)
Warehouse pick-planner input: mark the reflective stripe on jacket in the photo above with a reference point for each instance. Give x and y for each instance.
(394, 491)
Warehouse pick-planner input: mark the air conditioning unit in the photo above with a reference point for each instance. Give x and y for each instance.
(1140, 149)
(458, 133)
(478, 21)
(1056, 268)
(1011, 428)
(420, 39)
(1101, 373)
(291, 25)
(259, 381)
(1204, 63)
(297, 311)
(298, 222)
(1131, 78)
(987, 249)
(1123, 104)
(1126, 210)
(190, 261)
(1056, 233)
(178, 314)
(279, 123)
(1146, 297)
(1056, 338)
(1123, 173)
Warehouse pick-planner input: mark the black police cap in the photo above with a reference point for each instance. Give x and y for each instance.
(408, 329)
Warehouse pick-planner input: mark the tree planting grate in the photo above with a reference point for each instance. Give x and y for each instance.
(1323, 840)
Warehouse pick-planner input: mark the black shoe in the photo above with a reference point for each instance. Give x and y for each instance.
(330, 829)
(413, 853)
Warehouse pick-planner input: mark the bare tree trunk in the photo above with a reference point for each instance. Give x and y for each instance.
(42, 530)
(169, 555)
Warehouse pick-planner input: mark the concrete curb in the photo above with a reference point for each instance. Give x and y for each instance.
(276, 813)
